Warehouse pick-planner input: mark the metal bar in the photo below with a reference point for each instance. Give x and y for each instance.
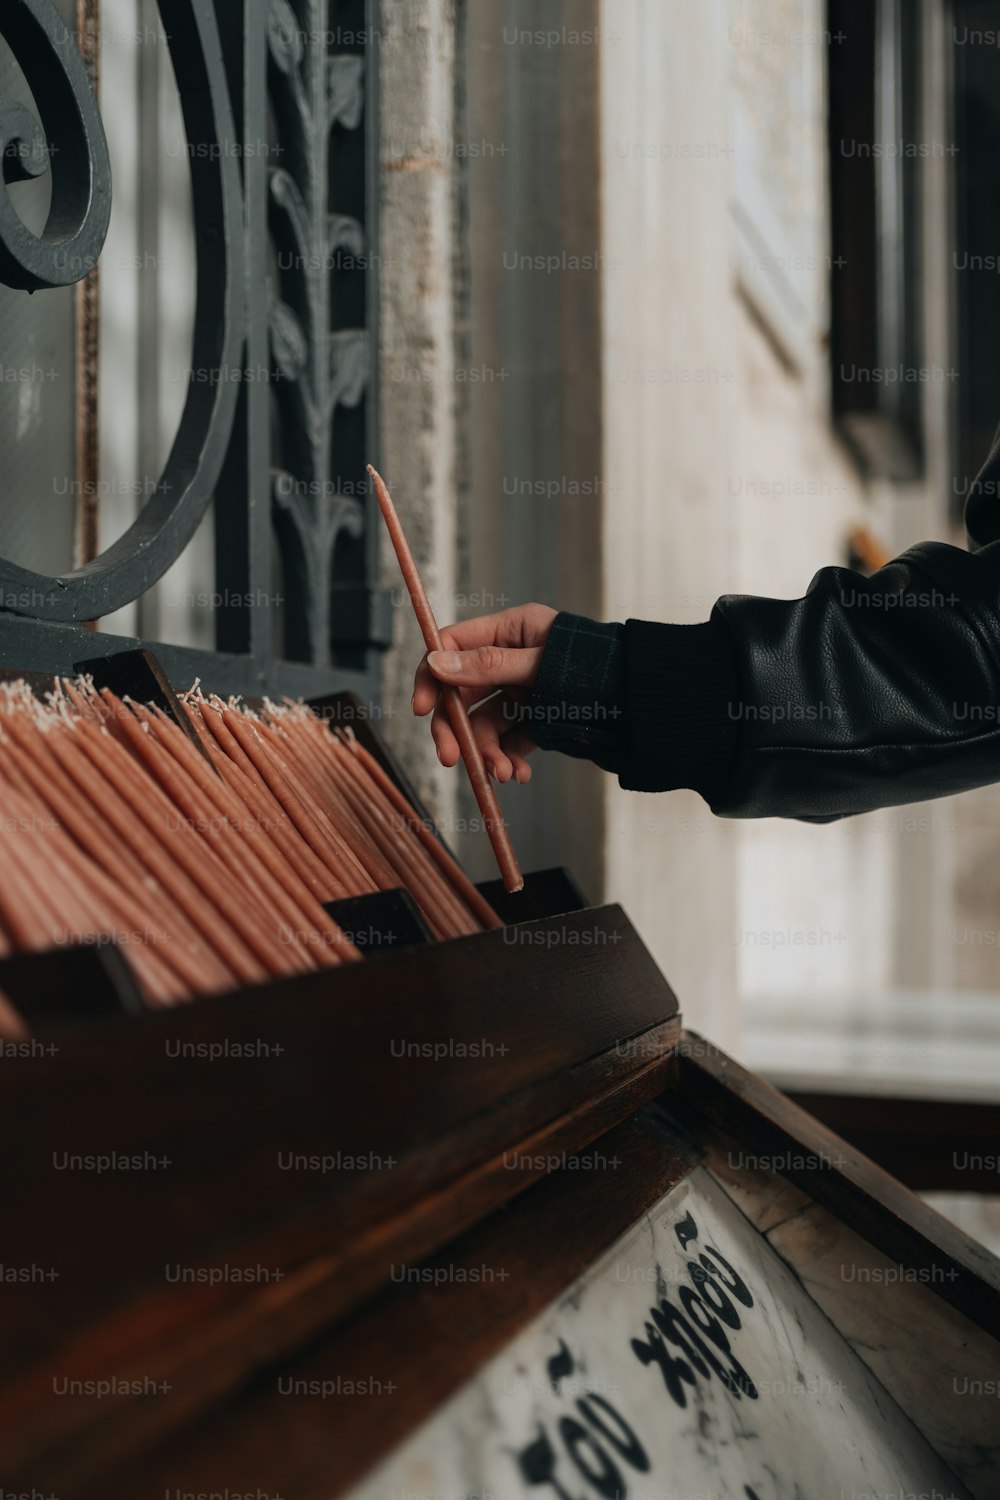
(258, 496)
(28, 645)
(87, 306)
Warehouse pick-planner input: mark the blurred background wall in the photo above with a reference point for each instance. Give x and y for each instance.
(673, 160)
(677, 374)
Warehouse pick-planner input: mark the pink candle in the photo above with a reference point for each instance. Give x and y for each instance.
(460, 722)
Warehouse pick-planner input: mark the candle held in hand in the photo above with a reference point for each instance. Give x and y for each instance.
(451, 696)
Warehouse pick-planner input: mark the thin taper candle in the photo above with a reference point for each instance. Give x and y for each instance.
(452, 698)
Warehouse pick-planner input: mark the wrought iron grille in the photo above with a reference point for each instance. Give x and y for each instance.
(286, 275)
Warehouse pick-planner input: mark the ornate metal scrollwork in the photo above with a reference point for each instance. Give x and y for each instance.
(69, 142)
(170, 517)
(296, 483)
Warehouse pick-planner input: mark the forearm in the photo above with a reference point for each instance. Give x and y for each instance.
(865, 693)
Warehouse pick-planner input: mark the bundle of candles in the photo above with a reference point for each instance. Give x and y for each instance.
(207, 856)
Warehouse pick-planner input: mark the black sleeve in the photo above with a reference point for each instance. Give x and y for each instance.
(577, 703)
(648, 702)
(866, 692)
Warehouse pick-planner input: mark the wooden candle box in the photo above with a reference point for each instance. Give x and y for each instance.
(360, 1232)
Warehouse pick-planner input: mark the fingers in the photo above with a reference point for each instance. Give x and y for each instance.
(498, 653)
(483, 668)
(504, 748)
(517, 745)
(443, 736)
(425, 684)
(486, 667)
(524, 628)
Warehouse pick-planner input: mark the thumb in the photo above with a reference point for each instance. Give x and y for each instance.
(487, 666)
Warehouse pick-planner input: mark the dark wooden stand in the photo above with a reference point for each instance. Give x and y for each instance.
(308, 1134)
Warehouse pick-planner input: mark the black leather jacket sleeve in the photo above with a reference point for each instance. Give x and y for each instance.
(866, 692)
(881, 689)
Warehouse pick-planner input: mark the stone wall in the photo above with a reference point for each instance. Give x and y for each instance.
(417, 353)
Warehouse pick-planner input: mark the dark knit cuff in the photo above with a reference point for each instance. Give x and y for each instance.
(576, 705)
(680, 684)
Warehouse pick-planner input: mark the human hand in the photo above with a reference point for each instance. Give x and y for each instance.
(496, 655)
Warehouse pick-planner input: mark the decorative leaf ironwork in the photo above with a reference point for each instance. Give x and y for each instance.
(345, 88)
(288, 342)
(284, 37)
(344, 233)
(312, 94)
(348, 368)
